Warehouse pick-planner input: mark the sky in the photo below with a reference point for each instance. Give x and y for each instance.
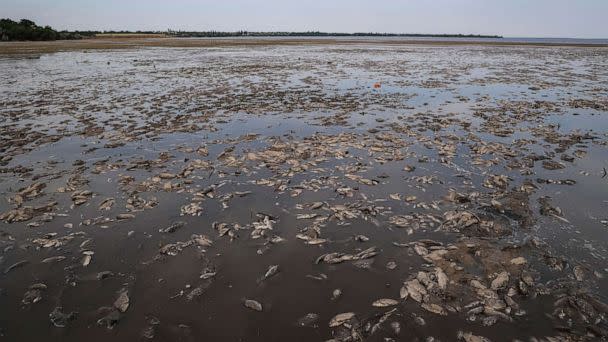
(510, 18)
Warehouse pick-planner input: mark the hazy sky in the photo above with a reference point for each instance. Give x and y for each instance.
(514, 18)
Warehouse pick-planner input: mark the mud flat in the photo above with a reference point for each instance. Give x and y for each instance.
(304, 192)
(126, 41)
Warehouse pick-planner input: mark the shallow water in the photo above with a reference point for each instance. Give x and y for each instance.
(302, 121)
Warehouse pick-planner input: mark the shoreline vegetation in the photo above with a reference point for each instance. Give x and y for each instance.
(27, 30)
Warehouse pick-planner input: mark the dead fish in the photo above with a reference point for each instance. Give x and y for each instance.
(419, 320)
(104, 274)
(469, 337)
(321, 276)
(396, 326)
(34, 294)
(363, 264)
(500, 281)
(475, 310)
(122, 302)
(207, 274)
(442, 278)
(110, 319)
(306, 216)
(125, 216)
(336, 294)
(59, 318)
(340, 319)
(81, 197)
(309, 320)
(316, 205)
(315, 241)
(84, 243)
(173, 227)
(106, 204)
(518, 261)
(361, 238)
(271, 271)
(416, 290)
(396, 197)
(86, 260)
(403, 293)
(16, 265)
(202, 240)
(195, 293)
(54, 259)
(276, 239)
(253, 305)
(368, 253)
(150, 330)
(166, 175)
(384, 302)
(579, 273)
(553, 165)
(434, 308)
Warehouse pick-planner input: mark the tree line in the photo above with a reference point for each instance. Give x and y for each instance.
(315, 34)
(28, 30)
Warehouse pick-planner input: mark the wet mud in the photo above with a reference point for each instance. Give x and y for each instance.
(365, 192)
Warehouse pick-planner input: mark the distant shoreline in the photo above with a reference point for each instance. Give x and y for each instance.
(221, 34)
(28, 47)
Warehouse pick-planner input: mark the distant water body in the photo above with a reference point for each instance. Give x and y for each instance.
(573, 41)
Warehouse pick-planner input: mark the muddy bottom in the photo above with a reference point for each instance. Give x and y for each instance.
(363, 192)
